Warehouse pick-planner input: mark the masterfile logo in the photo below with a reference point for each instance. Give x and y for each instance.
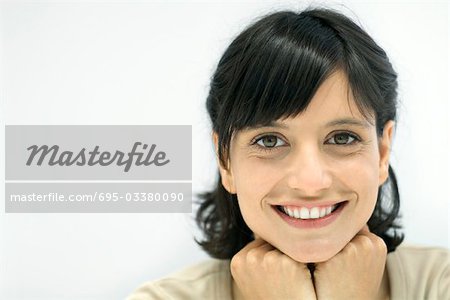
(100, 152)
(68, 158)
(85, 168)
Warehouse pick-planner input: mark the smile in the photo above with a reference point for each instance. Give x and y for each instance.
(310, 217)
(305, 213)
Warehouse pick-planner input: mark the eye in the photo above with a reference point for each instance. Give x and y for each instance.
(269, 141)
(343, 138)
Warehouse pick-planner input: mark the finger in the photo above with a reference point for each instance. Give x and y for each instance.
(365, 235)
(266, 247)
(253, 245)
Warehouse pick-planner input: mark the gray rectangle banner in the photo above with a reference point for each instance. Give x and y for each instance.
(98, 152)
(91, 197)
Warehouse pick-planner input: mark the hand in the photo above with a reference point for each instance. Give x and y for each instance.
(260, 271)
(354, 273)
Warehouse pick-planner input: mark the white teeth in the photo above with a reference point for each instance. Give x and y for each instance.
(323, 212)
(305, 213)
(314, 213)
(289, 212)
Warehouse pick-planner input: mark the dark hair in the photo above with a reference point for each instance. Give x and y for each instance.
(271, 71)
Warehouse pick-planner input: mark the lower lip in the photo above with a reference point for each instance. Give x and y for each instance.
(312, 223)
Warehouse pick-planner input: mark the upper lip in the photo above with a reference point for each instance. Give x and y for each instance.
(309, 204)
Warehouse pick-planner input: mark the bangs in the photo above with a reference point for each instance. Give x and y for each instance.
(285, 67)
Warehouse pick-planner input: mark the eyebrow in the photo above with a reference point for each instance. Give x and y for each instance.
(276, 124)
(337, 122)
(348, 121)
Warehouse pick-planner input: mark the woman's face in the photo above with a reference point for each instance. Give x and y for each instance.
(288, 176)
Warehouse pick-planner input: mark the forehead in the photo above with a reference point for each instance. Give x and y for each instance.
(333, 98)
(332, 103)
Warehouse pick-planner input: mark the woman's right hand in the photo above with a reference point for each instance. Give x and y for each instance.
(261, 271)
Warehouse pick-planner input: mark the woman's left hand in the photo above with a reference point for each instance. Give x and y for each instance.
(354, 273)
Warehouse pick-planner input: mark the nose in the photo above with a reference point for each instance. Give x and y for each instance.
(308, 172)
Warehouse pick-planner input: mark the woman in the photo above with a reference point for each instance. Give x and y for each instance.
(303, 109)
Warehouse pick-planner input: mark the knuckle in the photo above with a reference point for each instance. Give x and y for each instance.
(286, 262)
(236, 260)
(271, 257)
(252, 258)
(236, 264)
(351, 248)
(380, 244)
(365, 242)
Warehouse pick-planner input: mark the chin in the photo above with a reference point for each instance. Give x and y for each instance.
(311, 253)
(311, 257)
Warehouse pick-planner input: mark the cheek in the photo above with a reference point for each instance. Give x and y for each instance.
(254, 180)
(361, 176)
(255, 176)
(361, 173)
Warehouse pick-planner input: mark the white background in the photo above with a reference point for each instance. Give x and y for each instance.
(149, 63)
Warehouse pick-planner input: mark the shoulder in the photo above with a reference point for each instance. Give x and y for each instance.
(209, 279)
(417, 272)
(432, 260)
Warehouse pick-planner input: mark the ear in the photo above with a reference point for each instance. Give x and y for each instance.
(225, 171)
(385, 150)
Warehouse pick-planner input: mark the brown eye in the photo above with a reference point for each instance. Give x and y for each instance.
(270, 141)
(343, 138)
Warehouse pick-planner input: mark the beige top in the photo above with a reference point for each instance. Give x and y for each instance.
(414, 273)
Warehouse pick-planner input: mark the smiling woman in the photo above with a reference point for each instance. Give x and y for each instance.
(327, 157)
(303, 110)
